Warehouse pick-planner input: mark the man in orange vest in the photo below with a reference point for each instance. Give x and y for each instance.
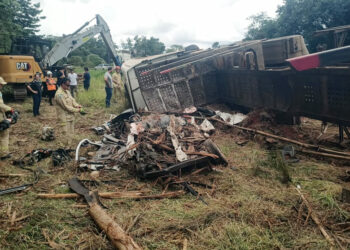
(51, 86)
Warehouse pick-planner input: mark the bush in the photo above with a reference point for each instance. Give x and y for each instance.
(75, 60)
(94, 60)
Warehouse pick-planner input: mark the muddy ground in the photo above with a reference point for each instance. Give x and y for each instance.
(252, 203)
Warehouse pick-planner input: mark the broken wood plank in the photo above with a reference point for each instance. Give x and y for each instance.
(202, 154)
(213, 148)
(160, 144)
(173, 168)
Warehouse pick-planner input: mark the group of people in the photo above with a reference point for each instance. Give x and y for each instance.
(114, 85)
(60, 91)
(63, 92)
(49, 88)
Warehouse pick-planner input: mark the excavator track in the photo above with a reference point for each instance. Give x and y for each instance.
(20, 92)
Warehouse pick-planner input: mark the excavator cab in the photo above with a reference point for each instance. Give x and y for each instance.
(19, 62)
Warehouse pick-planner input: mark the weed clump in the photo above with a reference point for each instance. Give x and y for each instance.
(273, 161)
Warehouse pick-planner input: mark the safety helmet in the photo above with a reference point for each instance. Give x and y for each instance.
(49, 73)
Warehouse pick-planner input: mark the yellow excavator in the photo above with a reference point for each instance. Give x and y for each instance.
(19, 68)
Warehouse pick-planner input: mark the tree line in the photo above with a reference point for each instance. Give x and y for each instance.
(301, 17)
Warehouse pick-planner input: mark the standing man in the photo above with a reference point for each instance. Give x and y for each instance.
(60, 76)
(4, 134)
(117, 84)
(109, 86)
(36, 88)
(73, 82)
(66, 107)
(86, 77)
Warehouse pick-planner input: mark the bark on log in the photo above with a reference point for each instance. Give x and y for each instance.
(115, 233)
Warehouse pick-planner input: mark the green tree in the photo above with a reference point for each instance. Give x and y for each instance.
(8, 28)
(215, 45)
(301, 17)
(75, 60)
(18, 18)
(262, 27)
(94, 60)
(174, 48)
(93, 46)
(28, 17)
(140, 46)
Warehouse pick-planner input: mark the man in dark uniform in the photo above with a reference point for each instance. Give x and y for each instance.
(86, 78)
(36, 88)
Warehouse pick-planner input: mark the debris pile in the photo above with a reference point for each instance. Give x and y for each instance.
(154, 145)
(59, 157)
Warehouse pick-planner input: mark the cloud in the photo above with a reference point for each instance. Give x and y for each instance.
(173, 22)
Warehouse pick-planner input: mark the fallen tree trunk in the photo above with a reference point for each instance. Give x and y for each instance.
(112, 195)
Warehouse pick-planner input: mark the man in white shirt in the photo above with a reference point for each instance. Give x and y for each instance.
(109, 86)
(72, 76)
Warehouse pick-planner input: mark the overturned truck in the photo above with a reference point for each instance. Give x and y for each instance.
(252, 74)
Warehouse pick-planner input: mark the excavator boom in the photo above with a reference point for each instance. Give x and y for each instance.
(73, 41)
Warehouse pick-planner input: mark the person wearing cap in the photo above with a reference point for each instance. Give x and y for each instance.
(36, 88)
(66, 108)
(109, 86)
(51, 86)
(4, 134)
(117, 84)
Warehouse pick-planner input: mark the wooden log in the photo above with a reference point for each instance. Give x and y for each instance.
(315, 218)
(202, 154)
(334, 156)
(301, 144)
(115, 233)
(184, 244)
(112, 195)
(213, 148)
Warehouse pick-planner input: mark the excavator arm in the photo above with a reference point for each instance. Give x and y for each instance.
(73, 41)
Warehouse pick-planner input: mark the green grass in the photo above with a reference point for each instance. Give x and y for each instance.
(96, 95)
(245, 210)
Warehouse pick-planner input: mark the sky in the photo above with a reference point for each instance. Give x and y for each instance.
(181, 22)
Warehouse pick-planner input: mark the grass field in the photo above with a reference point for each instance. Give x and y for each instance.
(249, 207)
